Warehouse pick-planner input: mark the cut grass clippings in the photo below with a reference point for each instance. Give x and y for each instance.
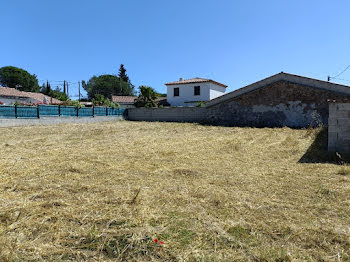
(106, 191)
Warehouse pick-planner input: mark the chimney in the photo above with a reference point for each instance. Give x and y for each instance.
(181, 79)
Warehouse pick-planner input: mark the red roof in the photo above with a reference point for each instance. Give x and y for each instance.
(124, 99)
(12, 92)
(193, 81)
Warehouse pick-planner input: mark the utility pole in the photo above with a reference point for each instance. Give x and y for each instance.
(64, 87)
(79, 90)
(67, 90)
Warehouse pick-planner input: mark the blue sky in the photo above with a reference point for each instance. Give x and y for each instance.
(233, 42)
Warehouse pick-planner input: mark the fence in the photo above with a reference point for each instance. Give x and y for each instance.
(57, 111)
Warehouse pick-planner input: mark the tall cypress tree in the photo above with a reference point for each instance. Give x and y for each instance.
(122, 74)
(48, 87)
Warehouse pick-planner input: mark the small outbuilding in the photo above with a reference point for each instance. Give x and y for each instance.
(124, 101)
(280, 100)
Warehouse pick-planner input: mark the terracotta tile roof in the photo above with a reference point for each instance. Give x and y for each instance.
(6, 91)
(43, 98)
(124, 99)
(194, 80)
(12, 92)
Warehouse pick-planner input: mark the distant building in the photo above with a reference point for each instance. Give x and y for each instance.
(128, 101)
(190, 92)
(124, 101)
(11, 95)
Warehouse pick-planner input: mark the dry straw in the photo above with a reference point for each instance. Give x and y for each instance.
(104, 192)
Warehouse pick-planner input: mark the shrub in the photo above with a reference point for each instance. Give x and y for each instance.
(200, 104)
(76, 103)
(100, 100)
(147, 97)
(114, 105)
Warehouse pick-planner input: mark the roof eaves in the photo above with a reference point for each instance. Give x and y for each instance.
(195, 82)
(315, 83)
(187, 82)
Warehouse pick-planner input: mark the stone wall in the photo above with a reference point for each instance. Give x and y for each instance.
(339, 128)
(171, 114)
(279, 104)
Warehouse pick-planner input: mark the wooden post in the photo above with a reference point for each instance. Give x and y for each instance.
(93, 111)
(15, 111)
(59, 110)
(77, 111)
(106, 111)
(37, 111)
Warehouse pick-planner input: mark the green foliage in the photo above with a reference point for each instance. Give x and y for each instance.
(146, 98)
(16, 103)
(100, 100)
(55, 93)
(122, 74)
(114, 105)
(75, 103)
(58, 94)
(14, 77)
(200, 104)
(107, 85)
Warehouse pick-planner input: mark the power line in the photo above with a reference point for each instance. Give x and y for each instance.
(341, 79)
(332, 77)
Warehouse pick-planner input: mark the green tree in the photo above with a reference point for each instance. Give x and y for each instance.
(100, 100)
(55, 93)
(48, 87)
(147, 97)
(18, 78)
(107, 85)
(122, 74)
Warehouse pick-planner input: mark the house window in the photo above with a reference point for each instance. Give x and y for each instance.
(197, 90)
(176, 91)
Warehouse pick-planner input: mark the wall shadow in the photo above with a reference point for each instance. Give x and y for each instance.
(318, 151)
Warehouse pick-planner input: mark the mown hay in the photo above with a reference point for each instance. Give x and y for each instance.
(105, 191)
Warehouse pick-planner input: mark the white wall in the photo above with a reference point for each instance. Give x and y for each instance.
(9, 101)
(207, 91)
(216, 91)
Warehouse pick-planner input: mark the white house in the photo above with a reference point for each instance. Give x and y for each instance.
(189, 92)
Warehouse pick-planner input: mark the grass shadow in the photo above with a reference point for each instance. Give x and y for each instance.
(318, 151)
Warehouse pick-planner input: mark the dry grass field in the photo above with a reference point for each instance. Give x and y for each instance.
(105, 191)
